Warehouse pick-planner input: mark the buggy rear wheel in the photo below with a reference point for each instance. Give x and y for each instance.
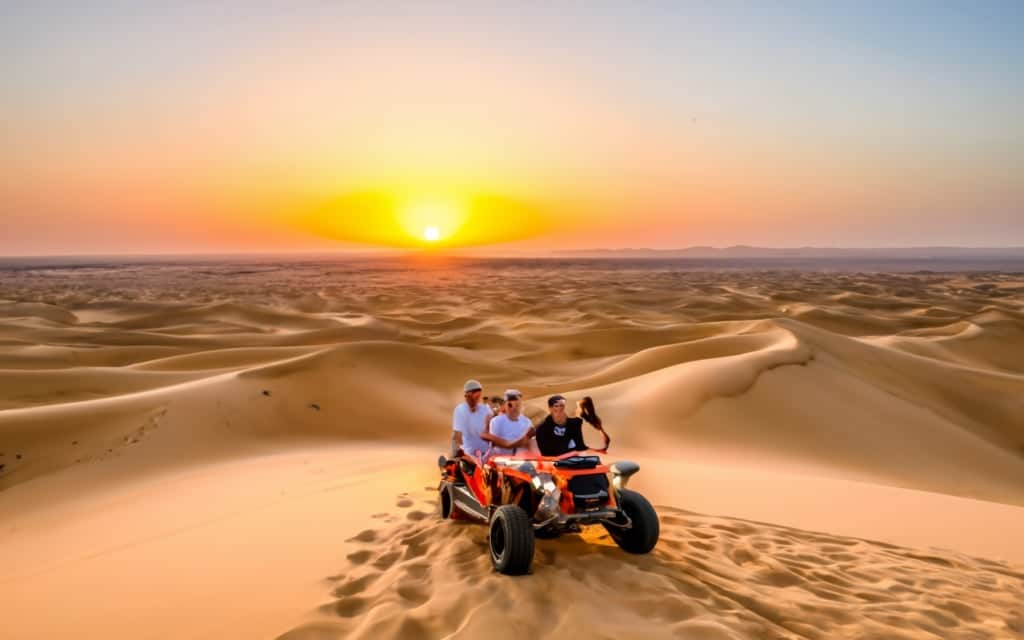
(643, 534)
(511, 540)
(445, 500)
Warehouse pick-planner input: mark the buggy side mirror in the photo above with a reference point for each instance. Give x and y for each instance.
(621, 471)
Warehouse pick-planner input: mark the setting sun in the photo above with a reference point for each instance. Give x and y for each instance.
(431, 218)
(443, 217)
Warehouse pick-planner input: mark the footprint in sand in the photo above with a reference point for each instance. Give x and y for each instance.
(348, 607)
(359, 557)
(386, 560)
(367, 535)
(754, 580)
(354, 586)
(414, 593)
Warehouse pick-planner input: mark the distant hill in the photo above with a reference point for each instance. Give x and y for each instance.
(744, 251)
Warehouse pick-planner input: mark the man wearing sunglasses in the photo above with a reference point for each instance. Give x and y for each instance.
(510, 432)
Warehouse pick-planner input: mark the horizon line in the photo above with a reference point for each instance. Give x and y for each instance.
(478, 252)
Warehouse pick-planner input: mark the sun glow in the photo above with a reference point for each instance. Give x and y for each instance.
(432, 220)
(421, 218)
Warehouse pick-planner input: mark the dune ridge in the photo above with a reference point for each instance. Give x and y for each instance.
(657, 353)
(904, 381)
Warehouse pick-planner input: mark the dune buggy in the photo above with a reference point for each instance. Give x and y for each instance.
(521, 498)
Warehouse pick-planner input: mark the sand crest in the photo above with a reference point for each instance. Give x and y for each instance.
(218, 438)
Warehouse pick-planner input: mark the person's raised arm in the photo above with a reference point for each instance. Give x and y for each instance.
(604, 436)
(581, 444)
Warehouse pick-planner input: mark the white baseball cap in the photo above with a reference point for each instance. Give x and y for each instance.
(471, 385)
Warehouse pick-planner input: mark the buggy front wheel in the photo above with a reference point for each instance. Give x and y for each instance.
(643, 533)
(511, 540)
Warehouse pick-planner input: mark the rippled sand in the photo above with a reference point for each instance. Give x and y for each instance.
(211, 437)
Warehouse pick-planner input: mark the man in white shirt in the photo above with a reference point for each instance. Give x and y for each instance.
(469, 421)
(510, 432)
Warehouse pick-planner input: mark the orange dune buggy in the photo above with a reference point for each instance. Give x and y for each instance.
(521, 498)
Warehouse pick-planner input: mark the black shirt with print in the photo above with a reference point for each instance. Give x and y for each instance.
(554, 439)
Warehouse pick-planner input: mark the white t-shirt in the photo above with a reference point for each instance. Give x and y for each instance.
(471, 424)
(503, 427)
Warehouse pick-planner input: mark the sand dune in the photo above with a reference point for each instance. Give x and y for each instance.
(34, 387)
(265, 536)
(222, 358)
(711, 577)
(124, 381)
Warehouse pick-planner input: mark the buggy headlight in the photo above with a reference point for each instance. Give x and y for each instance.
(543, 482)
(548, 507)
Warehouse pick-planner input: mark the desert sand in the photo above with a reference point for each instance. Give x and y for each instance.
(246, 448)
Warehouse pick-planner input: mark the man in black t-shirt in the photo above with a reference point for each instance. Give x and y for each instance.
(558, 433)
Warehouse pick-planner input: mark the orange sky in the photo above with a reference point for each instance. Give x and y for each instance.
(145, 133)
